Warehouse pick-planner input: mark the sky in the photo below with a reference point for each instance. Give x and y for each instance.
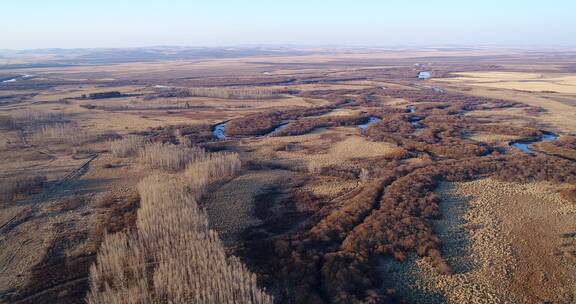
(26, 24)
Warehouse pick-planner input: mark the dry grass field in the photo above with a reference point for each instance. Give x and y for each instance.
(248, 179)
(531, 82)
(506, 243)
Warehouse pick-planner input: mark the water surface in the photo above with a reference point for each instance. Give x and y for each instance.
(218, 131)
(524, 146)
(364, 126)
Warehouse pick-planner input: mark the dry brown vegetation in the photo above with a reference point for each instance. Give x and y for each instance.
(217, 92)
(444, 131)
(210, 168)
(168, 156)
(11, 188)
(61, 134)
(127, 146)
(193, 134)
(37, 117)
(569, 194)
(263, 123)
(391, 215)
(304, 126)
(318, 204)
(343, 250)
(565, 147)
(173, 256)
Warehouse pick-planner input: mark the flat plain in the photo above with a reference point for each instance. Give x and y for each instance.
(339, 176)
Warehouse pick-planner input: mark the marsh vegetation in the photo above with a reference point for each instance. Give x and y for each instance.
(226, 184)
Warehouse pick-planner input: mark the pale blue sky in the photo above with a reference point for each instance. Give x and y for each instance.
(130, 23)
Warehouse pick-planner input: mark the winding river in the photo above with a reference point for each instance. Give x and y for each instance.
(524, 146)
(278, 128)
(15, 78)
(219, 130)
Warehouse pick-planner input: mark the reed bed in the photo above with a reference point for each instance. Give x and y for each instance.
(169, 157)
(217, 92)
(214, 166)
(61, 133)
(35, 116)
(127, 146)
(172, 256)
(234, 93)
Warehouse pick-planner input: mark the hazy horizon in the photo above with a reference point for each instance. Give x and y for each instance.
(131, 24)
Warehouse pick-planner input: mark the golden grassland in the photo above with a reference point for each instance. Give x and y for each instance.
(557, 115)
(532, 82)
(322, 148)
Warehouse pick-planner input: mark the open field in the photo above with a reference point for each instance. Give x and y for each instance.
(553, 83)
(289, 176)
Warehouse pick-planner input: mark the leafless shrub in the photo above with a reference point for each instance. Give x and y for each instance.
(169, 157)
(127, 146)
(266, 122)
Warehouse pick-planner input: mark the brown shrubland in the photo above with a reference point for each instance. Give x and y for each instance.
(193, 134)
(565, 147)
(304, 126)
(345, 244)
(335, 257)
(266, 122)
